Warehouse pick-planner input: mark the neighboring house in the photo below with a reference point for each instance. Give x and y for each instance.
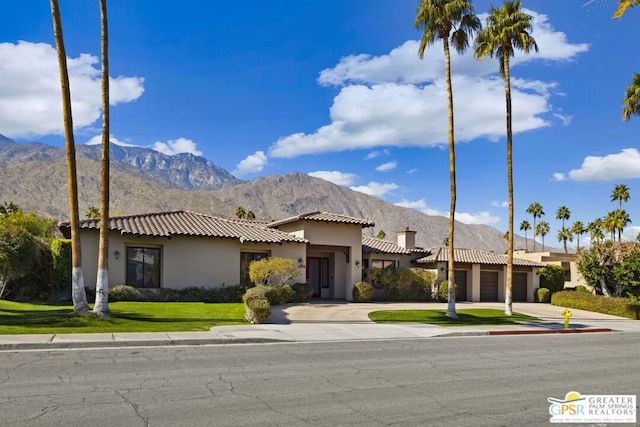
(379, 253)
(182, 249)
(480, 276)
(572, 277)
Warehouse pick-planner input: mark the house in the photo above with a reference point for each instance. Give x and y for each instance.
(572, 277)
(480, 276)
(182, 249)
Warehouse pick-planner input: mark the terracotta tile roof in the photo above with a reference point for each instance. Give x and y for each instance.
(371, 244)
(473, 256)
(185, 223)
(323, 217)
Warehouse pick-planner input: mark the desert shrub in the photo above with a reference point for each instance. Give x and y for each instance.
(61, 259)
(624, 307)
(400, 284)
(302, 292)
(362, 292)
(273, 271)
(225, 293)
(167, 295)
(125, 293)
(191, 294)
(583, 289)
(257, 306)
(543, 295)
(278, 294)
(552, 278)
(443, 291)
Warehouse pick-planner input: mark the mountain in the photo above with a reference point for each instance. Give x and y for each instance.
(142, 180)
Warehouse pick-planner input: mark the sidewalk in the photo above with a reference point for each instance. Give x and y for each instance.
(333, 321)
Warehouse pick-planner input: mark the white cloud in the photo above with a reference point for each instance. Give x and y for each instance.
(374, 154)
(631, 233)
(337, 177)
(464, 217)
(497, 204)
(253, 163)
(558, 176)
(97, 140)
(398, 100)
(412, 171)
(375, 188)
(623, 165)
(180, 145)
(30, 100)
(387, 166)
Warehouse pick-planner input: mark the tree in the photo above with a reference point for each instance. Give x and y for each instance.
(273, 271)
(250, 216)
(240, 212)
(621, 194)
(631, 101)
(623, 5)
(453, 22)
(8, 208)
(611, 265)
(18, 250)
(92, 213)
(535, 209)
(564, 234)
(578, 230)
(381, 234)
(525, 226)
(542, 229)
(508, 29)
(101, 306)
(78, 294)
(595, 228)
(563, 214)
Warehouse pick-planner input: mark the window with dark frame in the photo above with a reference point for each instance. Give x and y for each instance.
(143, 267)
(383, 263)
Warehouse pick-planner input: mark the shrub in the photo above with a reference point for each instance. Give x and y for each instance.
(401, 284)
(191, 294)
(225, 293)
(257, 310)
(543, 295)
(302, 292)
(278, 294)
(362, 292)
(61, 253)
(583, 289)
(552, 278)
(624, 307)
(273, 271)
(443, 291)
(125, 293)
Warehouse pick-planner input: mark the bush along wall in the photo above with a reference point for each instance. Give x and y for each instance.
(624, 307)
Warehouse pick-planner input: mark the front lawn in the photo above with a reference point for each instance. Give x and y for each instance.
(21, 318)
(466, 317)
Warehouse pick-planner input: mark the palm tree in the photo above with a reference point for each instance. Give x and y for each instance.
(78, 294)
(8, 208)
(563, 213)
(381, 235)
(623, 5)
(623, 221)
(444, 19)
(101, 306)
(92, 213)
(250, 216)
(542, 229)
(564, 234)
(595, 228)
(610, 224)
(621, 194)
(578, 229)
(508, 29)
(240, 212)
(631, 101)
(525, 226)
(535, 209)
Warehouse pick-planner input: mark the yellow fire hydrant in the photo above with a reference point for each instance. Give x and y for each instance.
(567, 314)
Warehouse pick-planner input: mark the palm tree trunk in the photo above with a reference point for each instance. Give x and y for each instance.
(78, 294)
(526, 242)
(509, 279)
(534, 233)
(101, 306)
(451, 306)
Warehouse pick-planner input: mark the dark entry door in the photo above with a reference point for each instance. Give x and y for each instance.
(488, 286)
(316, 274)
(519, 287)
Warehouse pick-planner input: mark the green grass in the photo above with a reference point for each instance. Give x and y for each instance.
(466, 317)
(21, 318)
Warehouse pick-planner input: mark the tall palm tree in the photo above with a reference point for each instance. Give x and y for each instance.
(578, 230)
(542, 229)
(623, 220)
(621, 194)
(250, 216)
(623, 5)
(565, 234)
(78, 294)
(240, 212)
(508, 29)
(631, 101)
(535, 209)
(595, 228)
(452, 21)
(525, 226)
(101, 306)
(563, 213)
(610, 224)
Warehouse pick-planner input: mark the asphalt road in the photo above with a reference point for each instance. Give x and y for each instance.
(469, 381)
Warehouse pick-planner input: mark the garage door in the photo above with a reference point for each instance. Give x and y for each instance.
(488, 286)
(461, 283)
(519, 288)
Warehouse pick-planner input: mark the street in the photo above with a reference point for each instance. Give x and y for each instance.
(465, 381)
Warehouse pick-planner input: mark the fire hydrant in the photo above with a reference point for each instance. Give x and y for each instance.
(567, 314)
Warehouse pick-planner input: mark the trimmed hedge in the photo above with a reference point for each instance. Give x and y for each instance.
(302, 292)
(362, 292)
(552, 278)
(256, 304)
(624, 307)
(125, 293)
(401, 284)
(543, 295)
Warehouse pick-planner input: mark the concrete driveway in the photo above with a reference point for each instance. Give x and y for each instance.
(335, 311)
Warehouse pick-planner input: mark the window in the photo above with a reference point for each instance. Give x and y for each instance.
(383, 263)
(143, 267)
(245, 260)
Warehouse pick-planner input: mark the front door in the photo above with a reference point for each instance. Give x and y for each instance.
(318, 274)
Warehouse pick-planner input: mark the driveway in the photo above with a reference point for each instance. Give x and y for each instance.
(335, 311)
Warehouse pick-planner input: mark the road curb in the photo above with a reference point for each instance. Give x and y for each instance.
(524, 332)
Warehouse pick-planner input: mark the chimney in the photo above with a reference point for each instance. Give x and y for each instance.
(406, 238)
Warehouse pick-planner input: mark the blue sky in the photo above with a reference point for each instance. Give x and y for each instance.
(336, 90)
